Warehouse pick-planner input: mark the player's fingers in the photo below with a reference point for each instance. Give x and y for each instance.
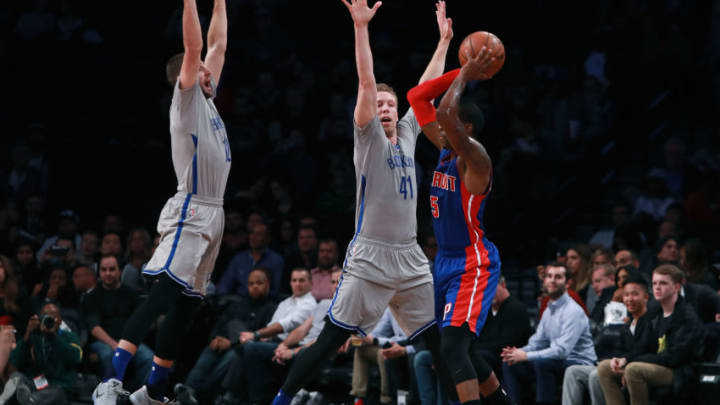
(449, 21)
(376, 6)
(345, 2)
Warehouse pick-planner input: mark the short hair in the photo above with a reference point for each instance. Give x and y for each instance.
(662, 241)
(306, 227)
(470, 113)
(328, 240)
(263, 270)
(608, 270)
(568, 275)
(637, 278)
(172, 69)
(671, 270)
(107, 255)
(386, 88)
(306, 270)
(603, 251)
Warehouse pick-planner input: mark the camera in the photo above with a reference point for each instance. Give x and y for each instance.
(47, 321)
(59, 251)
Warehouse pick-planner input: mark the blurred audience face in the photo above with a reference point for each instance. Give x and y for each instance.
(139, 241)
(258, 284)
(666, 228)
(58, 278)
(287, 231)
(89, 244)
(622, 278)
(554, 283)
(600, 260)
(234, 222)
(254, 219)
(669, 252)
(113, 223)
(300, 282)
(501, 294)
(67, 227)
(623, 258)
(573, 261)
(335, 280)
(110, 272)
(25, 255)
(663, 287)
(635, 298)
(600, 280)
(84, 279)
(258, 238)
(327, 255)
(430, 247)
(111, 245)
(307, 240)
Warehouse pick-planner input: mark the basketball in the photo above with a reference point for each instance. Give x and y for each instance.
(474, 42)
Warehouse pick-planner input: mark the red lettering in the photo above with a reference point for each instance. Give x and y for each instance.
(436, 179)
(452, 183)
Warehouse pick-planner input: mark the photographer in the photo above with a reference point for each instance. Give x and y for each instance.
(47, 354)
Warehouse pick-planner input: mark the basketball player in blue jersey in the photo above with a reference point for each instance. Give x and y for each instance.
(384, 266)
(467, 264)
(191, 223)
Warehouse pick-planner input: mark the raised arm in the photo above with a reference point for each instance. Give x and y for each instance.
(193, 43)
(366, 107)
(476, 161)
(420, 98)
(437, 63)
(217, 41)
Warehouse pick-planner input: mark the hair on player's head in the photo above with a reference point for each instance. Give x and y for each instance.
(172, 69)
(470, 113)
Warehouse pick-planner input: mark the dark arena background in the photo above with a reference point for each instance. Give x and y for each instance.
(602, 126)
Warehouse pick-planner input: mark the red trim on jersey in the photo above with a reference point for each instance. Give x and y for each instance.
(468, 301)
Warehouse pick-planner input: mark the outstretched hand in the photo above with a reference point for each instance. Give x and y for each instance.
(475, 67)
(360, 12)
(444, 23)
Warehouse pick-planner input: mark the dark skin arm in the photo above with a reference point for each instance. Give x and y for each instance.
(474, 164)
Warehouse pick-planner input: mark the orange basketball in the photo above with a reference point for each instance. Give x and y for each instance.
(474, 42)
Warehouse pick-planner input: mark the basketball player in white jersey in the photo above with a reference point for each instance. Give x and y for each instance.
(384, 266)
(191, 223)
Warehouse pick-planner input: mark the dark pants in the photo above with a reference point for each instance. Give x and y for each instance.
(547, 373)
(258, 366)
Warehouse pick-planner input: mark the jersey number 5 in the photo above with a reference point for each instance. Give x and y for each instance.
(434, 206)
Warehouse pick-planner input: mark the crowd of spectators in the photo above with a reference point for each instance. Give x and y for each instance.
(602, 127)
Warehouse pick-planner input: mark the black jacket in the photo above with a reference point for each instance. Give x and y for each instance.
(598, 312)
(510, 327)
(676, 342)
(704, 300)
(246, 315)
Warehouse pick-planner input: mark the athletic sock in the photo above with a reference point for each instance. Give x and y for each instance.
(282, 398)
(158, 381)
(120, 360)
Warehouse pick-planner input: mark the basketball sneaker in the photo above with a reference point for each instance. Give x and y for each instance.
(107, 392)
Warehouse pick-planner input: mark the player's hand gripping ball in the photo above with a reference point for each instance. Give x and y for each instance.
(473, 43)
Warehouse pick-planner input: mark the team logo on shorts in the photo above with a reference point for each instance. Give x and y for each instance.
(191, 212)
(448, 307)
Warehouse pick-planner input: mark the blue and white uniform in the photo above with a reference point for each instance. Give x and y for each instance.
(384, 264)
(192, 221)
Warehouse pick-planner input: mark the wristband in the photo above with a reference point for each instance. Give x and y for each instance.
(256, 335)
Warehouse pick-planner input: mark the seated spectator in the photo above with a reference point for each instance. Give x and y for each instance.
(562, 339)
(90, 247)
(694, 261)
(666, 252)
(507, 324)
(259, 359)
(290, 314)
(234, 279)
(674, 339)
(610, 343)
(602, 256)
(84, 280)
(603, 282)
(323, 286)
(578, 259)
(306, 254)
(111, 244)
(50, 350)
(429, 388)
(106, 309)
(252, 313)
(137, 253)
(61, 254)
(26, 267)
(67, 227)
(626, 257)
(15, 308)
(56, 290)
(386, 341)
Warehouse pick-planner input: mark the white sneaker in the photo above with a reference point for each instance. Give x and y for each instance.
(106, 393)
(141, 397)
